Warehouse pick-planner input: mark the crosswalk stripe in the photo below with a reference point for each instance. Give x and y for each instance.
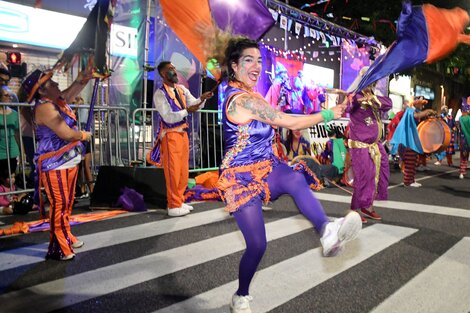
(405, 206)
(446, 278)
(286, 280)
(88, 285)
(426, 177)
(36, 253)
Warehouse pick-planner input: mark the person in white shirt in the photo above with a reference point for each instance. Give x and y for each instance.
(171, 150)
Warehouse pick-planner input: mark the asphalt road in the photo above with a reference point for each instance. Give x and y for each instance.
(416, 260)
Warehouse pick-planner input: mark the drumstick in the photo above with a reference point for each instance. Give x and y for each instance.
(334, 183)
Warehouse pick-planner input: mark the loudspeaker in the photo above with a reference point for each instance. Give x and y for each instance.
(148, 181)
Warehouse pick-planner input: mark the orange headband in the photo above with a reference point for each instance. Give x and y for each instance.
(44, 78)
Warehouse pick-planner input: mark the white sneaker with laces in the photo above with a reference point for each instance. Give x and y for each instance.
(178, 211)
(461, 176)
(240, 304)
(187, 206)
(338, 232)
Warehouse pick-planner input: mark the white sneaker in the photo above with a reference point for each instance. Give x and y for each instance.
(461, 176)
(438, 163)
(340, 231)
(178, 211)
(240, 304)
(68, 257)
(77, 244)
(266, 208)
(414, 184)
(187, 206)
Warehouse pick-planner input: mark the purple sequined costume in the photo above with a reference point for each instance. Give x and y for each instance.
(250, 174)
(368, 156)
(52, 153)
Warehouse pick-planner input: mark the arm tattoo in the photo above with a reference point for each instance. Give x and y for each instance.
(259, 108)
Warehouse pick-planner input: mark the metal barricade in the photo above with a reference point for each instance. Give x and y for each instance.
(110, 144)
(16, 130)
(205, 136)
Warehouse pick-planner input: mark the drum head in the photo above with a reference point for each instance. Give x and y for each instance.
(432, 134)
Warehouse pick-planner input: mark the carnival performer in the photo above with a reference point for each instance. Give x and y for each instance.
(369, 159)
(406, 141)
(279, 95)
(298, 105)
(174, 102)
(251, 174)
(60, 149)
(464, 126)
(446, 116)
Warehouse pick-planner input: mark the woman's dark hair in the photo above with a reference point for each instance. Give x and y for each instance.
(234, 51)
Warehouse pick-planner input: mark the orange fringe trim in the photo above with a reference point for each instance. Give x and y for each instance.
(316, 185)
(235, 194)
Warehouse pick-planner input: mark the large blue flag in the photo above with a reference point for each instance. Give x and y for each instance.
(424, 34)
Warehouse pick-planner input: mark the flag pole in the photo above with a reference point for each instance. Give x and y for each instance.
(94, 95)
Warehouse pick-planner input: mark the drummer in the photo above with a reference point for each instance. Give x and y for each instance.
(406, 140)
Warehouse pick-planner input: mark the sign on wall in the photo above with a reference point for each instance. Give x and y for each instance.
(37, 27)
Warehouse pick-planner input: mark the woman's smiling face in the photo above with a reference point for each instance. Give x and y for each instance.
(248, 68)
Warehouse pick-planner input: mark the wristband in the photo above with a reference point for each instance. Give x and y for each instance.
(327, 115)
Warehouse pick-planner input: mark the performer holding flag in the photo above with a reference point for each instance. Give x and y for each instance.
(60, 144)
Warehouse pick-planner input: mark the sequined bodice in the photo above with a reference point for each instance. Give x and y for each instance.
(245, 143)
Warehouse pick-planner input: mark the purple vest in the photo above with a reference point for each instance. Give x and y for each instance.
(48, 141)
(153, 156)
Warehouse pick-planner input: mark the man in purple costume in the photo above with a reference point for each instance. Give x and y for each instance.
(368, 156)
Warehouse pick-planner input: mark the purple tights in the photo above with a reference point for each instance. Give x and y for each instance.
(282, 180)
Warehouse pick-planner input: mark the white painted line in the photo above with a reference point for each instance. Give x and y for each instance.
(70, 290)
(442, 287)
(426, 177)
(405, 206)
(286, 280)
(36, 253)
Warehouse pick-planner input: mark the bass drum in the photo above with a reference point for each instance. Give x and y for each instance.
(348, 174)
(434, 135)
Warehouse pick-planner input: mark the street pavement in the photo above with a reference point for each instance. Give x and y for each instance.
(416, 260)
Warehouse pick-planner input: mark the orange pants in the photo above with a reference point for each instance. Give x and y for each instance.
(175, 162)
(60, 190)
